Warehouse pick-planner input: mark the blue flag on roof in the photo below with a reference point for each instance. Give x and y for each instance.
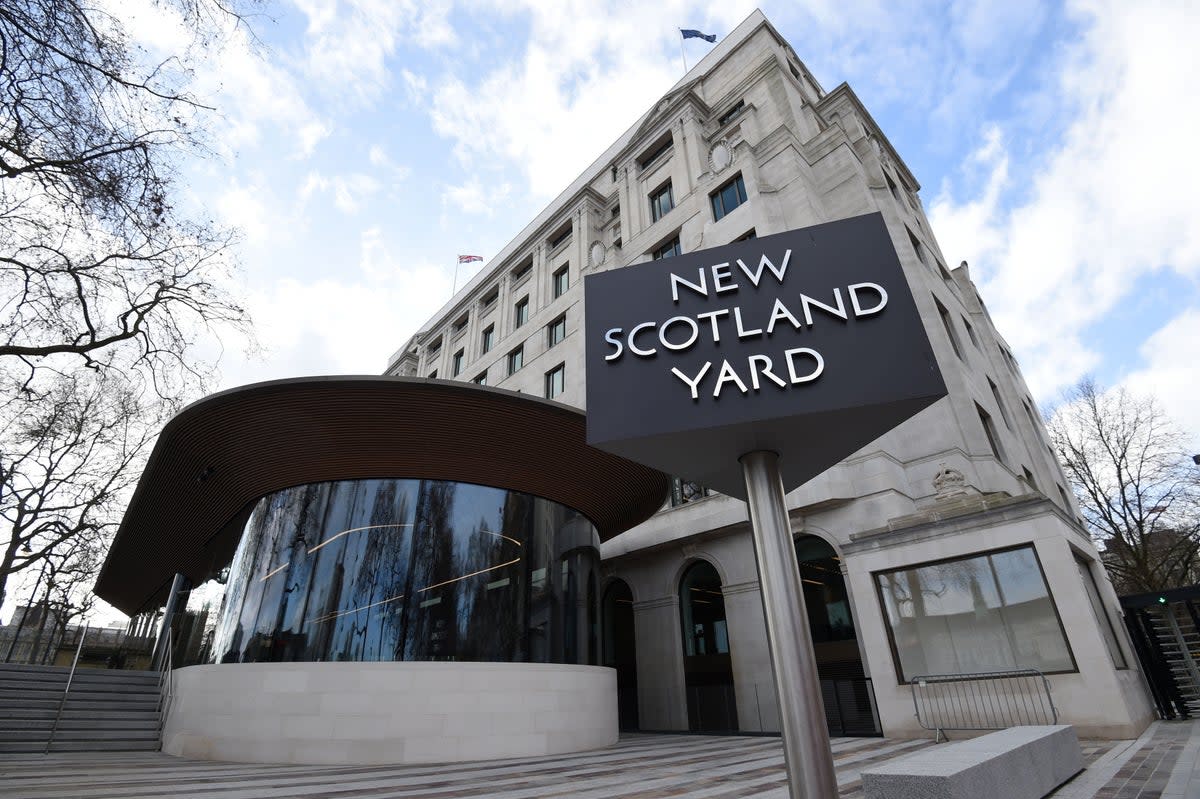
(688, 33)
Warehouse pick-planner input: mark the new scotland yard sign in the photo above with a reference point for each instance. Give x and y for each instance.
(807, 343)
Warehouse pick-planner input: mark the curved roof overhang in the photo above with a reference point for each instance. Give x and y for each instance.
(218, 456)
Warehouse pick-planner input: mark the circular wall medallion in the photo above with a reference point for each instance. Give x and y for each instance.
(720, 156)
(596, 253)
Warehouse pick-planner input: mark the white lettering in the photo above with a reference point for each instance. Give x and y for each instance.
(686, 320)
(780, 311)
(765, 371)
(615, 342)
(839, 311)
(693, 384)
(728, 375)
(756, 275)
(676, 281)
(791, 359)
(741, 331)
(722, 273)
(635, 349)
(858, 310)
(711, 316)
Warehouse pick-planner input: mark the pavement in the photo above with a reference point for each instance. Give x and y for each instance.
(1164, 763)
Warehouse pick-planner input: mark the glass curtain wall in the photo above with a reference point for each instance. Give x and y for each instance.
(367, 570)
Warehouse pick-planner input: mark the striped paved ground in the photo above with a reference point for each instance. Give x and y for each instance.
(639, 767)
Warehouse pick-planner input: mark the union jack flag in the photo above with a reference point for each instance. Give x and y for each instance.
(466, 259)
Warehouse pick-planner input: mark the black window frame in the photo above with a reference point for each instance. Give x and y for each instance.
(717, 199)
(457, 361)
(657, 211)
(521, 311)
(561, 371)
(515, 360)
(558, 326)
(668, 249)
(560, 281)
(487, 339)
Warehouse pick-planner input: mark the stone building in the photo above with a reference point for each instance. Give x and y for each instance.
(950, 545)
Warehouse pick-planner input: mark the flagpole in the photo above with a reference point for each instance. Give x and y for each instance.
(454, 289)
(683, 52)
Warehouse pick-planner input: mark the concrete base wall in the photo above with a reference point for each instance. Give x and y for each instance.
(374, 713)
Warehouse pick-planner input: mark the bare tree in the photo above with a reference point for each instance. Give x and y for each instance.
(1137, 488)
(105, 285)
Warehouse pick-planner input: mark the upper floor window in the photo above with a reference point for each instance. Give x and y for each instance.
(433, 375)
(556, 331)
(480, 379)
(456, 364)
(521, 312)
(489, 299)
(656, 151)
(749, 235)
(489, 337)
(728, 197)
(560, 237)
(561, 281)
(661, 201)
(731, 113)
(516, 359)
(461, 323)
(668, 249)
(917, 246)
(522, 270)
(556, 381)
(948, 324)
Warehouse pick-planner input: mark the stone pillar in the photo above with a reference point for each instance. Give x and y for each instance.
(662, 698)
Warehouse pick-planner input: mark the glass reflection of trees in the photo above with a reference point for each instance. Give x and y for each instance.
(981, 613)
(408, 570)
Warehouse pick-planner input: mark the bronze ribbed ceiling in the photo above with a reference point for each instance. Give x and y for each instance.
(221, 454)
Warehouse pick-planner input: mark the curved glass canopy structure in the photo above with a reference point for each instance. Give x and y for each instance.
(394, 569)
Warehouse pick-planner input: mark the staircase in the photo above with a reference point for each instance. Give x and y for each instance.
(106, 710)
(1179, 640)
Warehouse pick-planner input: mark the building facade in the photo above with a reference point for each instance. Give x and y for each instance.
(950, 545)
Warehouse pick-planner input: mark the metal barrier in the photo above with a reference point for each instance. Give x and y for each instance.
(62, 703)
(989, 700)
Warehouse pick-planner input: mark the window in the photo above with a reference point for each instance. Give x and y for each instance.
(457, 364)
(489, 299)
(918, 248)
(521, 312)
(556, 381)
(1029, 414)
(616, 211)
(460, 324)
(989, 430)
(749, 235)
(728, 197)
(949, 327)
(516, 359)
(971, 333)
(561, 281)
(556, 331)
(892, 185)
(734, 110)
(986, 612)
(661, 201)
(560, 237)
(668, 249)
(1000, 404)
(1103, 620)
(521, 271)
(435, 346)
(489, 337)
(433, 375)
(1062, 494)
(1029, 478)
(656, 151)
(795, 72)
(480, 379)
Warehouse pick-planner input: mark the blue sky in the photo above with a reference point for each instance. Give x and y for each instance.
(362, 144)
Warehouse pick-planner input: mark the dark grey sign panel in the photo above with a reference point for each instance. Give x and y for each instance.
(807, 343)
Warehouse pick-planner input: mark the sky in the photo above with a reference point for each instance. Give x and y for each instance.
(361, 145)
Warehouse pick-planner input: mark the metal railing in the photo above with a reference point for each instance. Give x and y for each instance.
(990, 700)
(166, 683)
(63, 702)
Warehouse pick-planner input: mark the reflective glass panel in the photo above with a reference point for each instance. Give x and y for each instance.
(984, 613)
(408, 570)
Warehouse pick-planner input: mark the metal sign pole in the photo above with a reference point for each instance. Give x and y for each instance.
(801, 714)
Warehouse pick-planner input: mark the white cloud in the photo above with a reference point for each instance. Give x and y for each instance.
(344, 324)
(1172, 370)
(349, 192)
(1112, 201)
(473, 197)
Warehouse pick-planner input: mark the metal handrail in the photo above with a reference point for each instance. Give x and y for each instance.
(70, 678)
(166, 683)
(990, 700)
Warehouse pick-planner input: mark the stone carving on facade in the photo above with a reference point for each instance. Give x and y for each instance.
(949, 483)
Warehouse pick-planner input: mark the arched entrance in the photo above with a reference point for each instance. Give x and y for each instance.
(619, 651)
(707, 666)
(834, 640)
(848, 698)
